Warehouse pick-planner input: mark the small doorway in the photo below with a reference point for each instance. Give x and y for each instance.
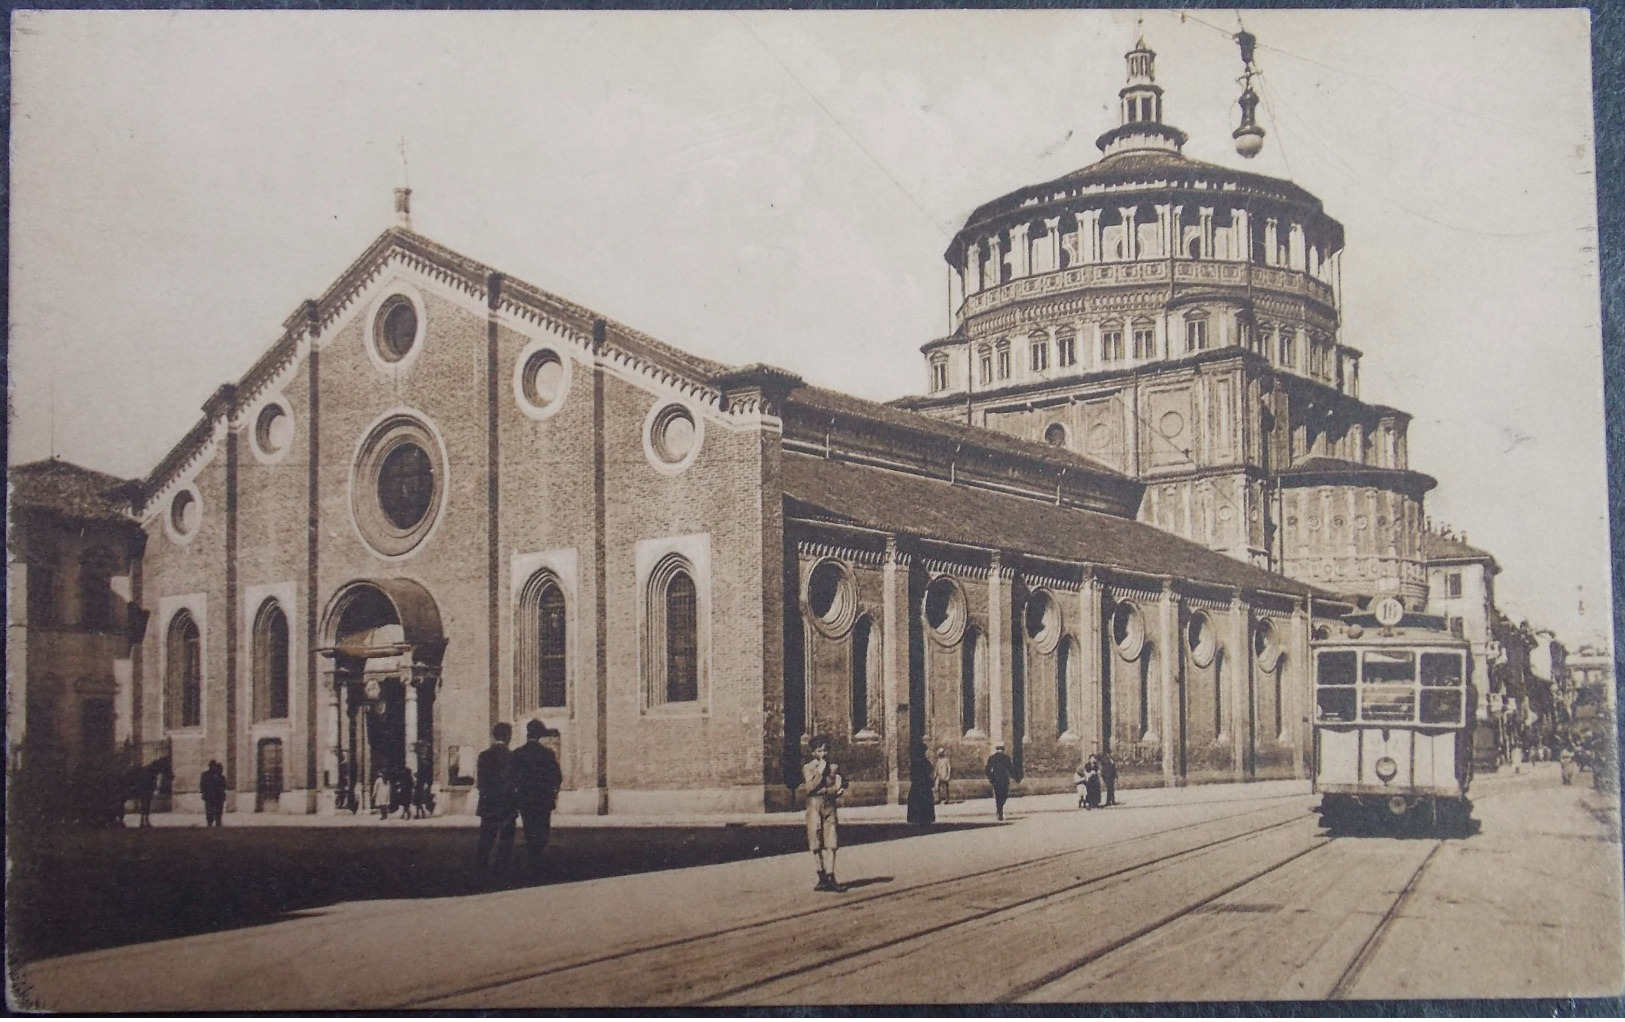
(268, 775)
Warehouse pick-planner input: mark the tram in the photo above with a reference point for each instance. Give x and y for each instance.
(1393, 732)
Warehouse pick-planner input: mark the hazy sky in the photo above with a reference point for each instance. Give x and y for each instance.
(780, 187)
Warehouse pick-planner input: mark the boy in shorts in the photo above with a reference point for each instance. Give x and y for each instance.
(824, 786)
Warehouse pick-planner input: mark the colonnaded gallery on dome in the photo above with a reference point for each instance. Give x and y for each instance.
(443, 498)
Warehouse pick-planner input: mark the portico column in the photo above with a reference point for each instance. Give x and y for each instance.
(335, 714)
(410, 752)
(893, 650)
(1168, 640)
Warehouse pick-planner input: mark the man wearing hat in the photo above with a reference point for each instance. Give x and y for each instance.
(536, 782)
(999, 773)
(496, 805)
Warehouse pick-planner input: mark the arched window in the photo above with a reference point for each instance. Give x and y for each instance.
(862, 632)
(1063, 672)
(984, 363)
(673, 650)
(96, 590)
(1218, 692)
(1289, 347)
(271, 663)
(939, 374)
(968, 653)
(1145, 339)
(1145, 689)
(1003, 352)
(1280, 716)
(1038, 351)
(541, 669)
(183, 673)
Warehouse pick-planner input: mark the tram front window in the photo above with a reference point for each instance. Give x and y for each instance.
(1334, 691)
(1441, 688)
(1388, 686)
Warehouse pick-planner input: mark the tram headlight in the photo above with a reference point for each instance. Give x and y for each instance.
(1386, 769)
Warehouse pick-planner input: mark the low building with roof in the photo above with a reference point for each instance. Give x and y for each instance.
(73, 561)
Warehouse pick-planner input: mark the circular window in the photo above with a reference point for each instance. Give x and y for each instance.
(543, 378)
(185, 513)
(273, 429)
(399, 485)
(830, 598)
(405, 484)
(672, 437)
(395, 331)
(1042, 619)
(1128, 631)
(945, 612)
(1200, 639)
(1055, 435)
(1171, 424)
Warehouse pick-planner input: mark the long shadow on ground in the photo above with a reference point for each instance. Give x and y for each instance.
(80, 890)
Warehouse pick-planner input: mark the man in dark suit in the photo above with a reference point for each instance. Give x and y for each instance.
(536, 781)
(495, 809)
(1108, 777)
(1000, 771)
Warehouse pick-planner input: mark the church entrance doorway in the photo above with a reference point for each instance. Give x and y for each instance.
(386, 647)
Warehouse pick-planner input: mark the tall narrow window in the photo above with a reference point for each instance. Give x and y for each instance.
(183, 673)
(1063, 671)
(1066, 347)
(939, 375)
(984, 361)
(1218, 692)
(1145, 691)
(1111, 344)
(1038, 353)
(1004, 360)
(1280, 713)
(1145, 341)
(271, 663)
(1196, 334)
(1289, 351)
(967, 681)
(550, 648)
(682, 640)
(1452, 585)
(861, 633)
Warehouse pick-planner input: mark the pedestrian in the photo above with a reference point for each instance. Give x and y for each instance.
(1517, 759)
(423, 795)
(1000, 772)
(1087, 779)
(1565, 760)
(496, 803)
(922, 808)
(944, 774)
(380, 793)
(824, 787)
(1108, 777)
(536, 783)
(400, 792)
(213, 787)
(1080, 781)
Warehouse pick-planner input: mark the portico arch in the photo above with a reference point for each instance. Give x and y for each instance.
(384, 640)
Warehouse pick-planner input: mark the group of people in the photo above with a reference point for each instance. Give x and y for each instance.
(514, 785)
(396, 789)
(1095, 773)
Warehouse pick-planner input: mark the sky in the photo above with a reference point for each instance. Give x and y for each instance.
(780, 187)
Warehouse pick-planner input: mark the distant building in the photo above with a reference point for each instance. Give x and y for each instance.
(74, 556)
(1461, 588)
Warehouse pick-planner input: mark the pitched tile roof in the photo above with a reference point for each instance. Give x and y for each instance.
(1447, 548)
(892, 501)
(69, 489)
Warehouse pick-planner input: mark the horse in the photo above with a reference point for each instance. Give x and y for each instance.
(140, 785)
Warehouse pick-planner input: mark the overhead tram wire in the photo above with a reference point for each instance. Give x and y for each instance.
(843, 128)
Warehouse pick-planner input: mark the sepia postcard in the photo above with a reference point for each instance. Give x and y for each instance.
(731, 509)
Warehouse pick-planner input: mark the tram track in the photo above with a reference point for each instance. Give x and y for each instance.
(680, 971)
(1356, 968)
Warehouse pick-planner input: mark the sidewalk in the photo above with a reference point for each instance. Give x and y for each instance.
(968, 810)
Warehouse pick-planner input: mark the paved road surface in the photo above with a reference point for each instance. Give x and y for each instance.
(1231, 892)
